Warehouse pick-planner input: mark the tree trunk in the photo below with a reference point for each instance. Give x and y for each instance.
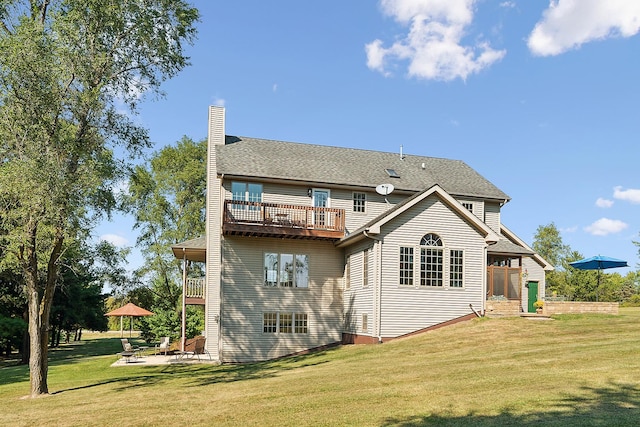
(39, 345)
(39, 300)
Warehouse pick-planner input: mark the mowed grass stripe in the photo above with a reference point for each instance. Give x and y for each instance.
(574, 370)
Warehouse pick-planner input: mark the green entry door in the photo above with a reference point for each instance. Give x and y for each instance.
(532, 296)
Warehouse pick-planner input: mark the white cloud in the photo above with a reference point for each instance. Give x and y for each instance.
(630, 194)
(567, 24)
(604, 203)
(433, 46)
(114, 239)
(605, 226)
(508, 4)
(275, 87)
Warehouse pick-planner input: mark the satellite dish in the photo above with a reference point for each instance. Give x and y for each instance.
(384, 189)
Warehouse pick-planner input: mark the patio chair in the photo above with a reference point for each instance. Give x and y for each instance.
(193, 347)
(200, 348)
(163, 346)
(127, 347)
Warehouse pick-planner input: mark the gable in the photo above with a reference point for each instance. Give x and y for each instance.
(374, 226)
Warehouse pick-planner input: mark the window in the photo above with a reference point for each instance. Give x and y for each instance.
(285, 323)
(246, 192)
(359, 200)
(455, 268)
(302, 271)
(365, 322)
(301, 323)
(406, 266)
(365, 268)
(431, 262)
(468, 206)
(347, 273)
(269, 323)
(286, 270)
(430, 240)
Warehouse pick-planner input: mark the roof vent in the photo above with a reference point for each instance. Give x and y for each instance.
(392, 173)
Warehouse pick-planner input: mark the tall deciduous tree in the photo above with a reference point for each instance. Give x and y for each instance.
(548, 243)
(68, 68)
(167, 199)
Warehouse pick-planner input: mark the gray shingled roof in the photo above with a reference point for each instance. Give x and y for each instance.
(261, 158)
(505, 246)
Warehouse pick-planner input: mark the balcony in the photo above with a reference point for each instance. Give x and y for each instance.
(283, 221)
(195, 292)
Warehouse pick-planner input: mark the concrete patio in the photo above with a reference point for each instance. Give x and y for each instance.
(154, 360)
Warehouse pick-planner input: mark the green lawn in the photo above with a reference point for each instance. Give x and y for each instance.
(570, 371)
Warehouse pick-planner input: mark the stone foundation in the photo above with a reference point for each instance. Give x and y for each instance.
(502, 308)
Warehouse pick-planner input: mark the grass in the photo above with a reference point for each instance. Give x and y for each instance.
(571, 371)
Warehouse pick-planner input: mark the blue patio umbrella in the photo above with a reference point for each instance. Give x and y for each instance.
(598, 263)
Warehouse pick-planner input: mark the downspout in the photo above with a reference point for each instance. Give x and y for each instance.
(184, 299)
(378, 283)
(474, 310)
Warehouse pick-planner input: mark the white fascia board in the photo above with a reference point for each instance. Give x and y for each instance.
(511, 235)
(489, 235)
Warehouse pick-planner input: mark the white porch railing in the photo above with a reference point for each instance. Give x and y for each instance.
(195, 287)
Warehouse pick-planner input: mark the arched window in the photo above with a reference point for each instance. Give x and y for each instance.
(430, 240)
(431, 260)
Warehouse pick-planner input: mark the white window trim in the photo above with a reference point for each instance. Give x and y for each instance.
(464, 269)
(313, 195)
(413, 266)
(446, 268)
(364, 201)
(294, 315)
(365, 268)
(294, 280)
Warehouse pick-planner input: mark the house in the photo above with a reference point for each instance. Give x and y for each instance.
(308, 246)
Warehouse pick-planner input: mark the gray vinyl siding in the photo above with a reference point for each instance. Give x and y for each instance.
(478, 207)
(492, 215)
(276, 193)
(359, 299)
(375, 205)
(245, 299)
(405, 309)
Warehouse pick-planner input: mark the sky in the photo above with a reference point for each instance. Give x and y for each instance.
(540, 97)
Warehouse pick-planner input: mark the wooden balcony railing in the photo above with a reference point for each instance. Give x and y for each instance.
(195, 287)
(274, 219)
